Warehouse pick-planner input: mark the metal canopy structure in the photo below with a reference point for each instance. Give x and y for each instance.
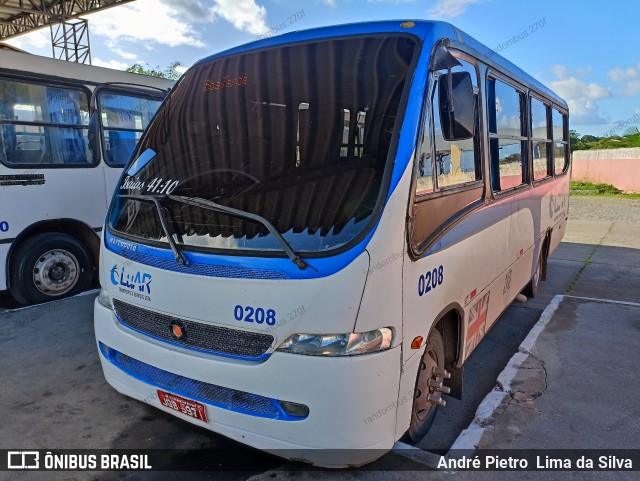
(69, 34)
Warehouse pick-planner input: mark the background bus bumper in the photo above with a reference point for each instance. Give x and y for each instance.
(352, 400)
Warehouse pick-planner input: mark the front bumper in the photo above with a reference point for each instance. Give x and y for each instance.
(352, 400)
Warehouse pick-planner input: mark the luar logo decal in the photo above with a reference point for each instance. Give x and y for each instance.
(557, 204)
(136, 284)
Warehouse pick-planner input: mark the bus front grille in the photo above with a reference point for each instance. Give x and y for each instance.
(219, 396)
(195, 335)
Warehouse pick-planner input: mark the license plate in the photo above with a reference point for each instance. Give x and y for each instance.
(185, 406)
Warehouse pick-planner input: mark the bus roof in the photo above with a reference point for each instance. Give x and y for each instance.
(430, 32)
(30, 64)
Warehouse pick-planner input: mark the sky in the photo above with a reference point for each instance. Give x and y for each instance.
(588, 51)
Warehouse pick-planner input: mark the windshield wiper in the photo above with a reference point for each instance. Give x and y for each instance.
(180, 258)
(207, 204)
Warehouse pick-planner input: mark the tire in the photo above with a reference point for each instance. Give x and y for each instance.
(49, 266)
(532, 288)
(423, 411)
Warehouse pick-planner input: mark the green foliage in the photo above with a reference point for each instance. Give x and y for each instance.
(171, 72)
(589, 138)
(605, 190)
(591, 142)
(590, 187)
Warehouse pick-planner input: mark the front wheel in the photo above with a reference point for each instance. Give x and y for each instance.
(49, 266)
(429, 375)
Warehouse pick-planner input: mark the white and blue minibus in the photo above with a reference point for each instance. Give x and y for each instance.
(317, 229)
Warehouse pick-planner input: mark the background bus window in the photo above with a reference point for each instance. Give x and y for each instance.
(124, 118)
(43, 125)
(560, 142)
(541, 140)
(507, 137)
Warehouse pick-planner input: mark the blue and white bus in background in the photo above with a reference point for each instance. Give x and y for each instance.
(66, 130)
(321, 227)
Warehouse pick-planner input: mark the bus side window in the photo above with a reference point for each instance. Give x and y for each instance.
(560, 142)
(43, 125)
(508, 141)
(123, 118)
(424, 181)
(541, 139)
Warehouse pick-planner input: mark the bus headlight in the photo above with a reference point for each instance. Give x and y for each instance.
(105, 299)
(339, 344)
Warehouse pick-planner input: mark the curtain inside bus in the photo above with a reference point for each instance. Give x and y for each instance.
(43, 124)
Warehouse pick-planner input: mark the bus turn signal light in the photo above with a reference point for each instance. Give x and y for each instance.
(417, 342)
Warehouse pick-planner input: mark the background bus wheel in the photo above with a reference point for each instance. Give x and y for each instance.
(430, 372)
(531, 290)
(49, 266)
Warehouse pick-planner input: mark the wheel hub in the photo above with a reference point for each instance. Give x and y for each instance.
(422, 404)
(55, 272)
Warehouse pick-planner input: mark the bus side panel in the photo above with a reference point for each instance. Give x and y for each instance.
(464, 262)
(4, 251)
(66, 194)
(111, 178)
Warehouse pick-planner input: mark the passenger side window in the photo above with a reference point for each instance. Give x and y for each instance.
(454, 163)
(507, 136)
(541, 139)
(43, 125)
(560, 142)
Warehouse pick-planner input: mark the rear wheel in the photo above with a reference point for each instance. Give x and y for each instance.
(424, 410)
(49, 266)
(531, 290)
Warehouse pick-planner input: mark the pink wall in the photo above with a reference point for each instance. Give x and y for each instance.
(621, 173)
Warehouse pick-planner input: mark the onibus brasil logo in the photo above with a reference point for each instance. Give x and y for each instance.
(136, 284)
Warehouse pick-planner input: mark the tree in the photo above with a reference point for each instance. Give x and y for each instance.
(630, 131)
(575, 141)
(589, 138)
(172, 72)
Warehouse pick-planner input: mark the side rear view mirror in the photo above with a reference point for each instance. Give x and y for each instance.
(457, 106)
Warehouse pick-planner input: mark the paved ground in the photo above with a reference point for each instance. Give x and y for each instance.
(558, 399)
(74, 407)
(604, 208)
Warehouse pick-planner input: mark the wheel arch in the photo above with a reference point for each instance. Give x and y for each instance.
(73, 227)
(449, 324)
(544, 252)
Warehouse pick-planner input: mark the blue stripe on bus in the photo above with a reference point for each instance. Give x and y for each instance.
(192, 387)
(325, 266)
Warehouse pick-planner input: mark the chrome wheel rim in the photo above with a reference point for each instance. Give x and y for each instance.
(56, 272)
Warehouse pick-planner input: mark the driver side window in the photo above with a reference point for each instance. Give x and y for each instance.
(443, 163)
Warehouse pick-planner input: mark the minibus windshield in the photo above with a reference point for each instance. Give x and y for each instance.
(298, 134)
